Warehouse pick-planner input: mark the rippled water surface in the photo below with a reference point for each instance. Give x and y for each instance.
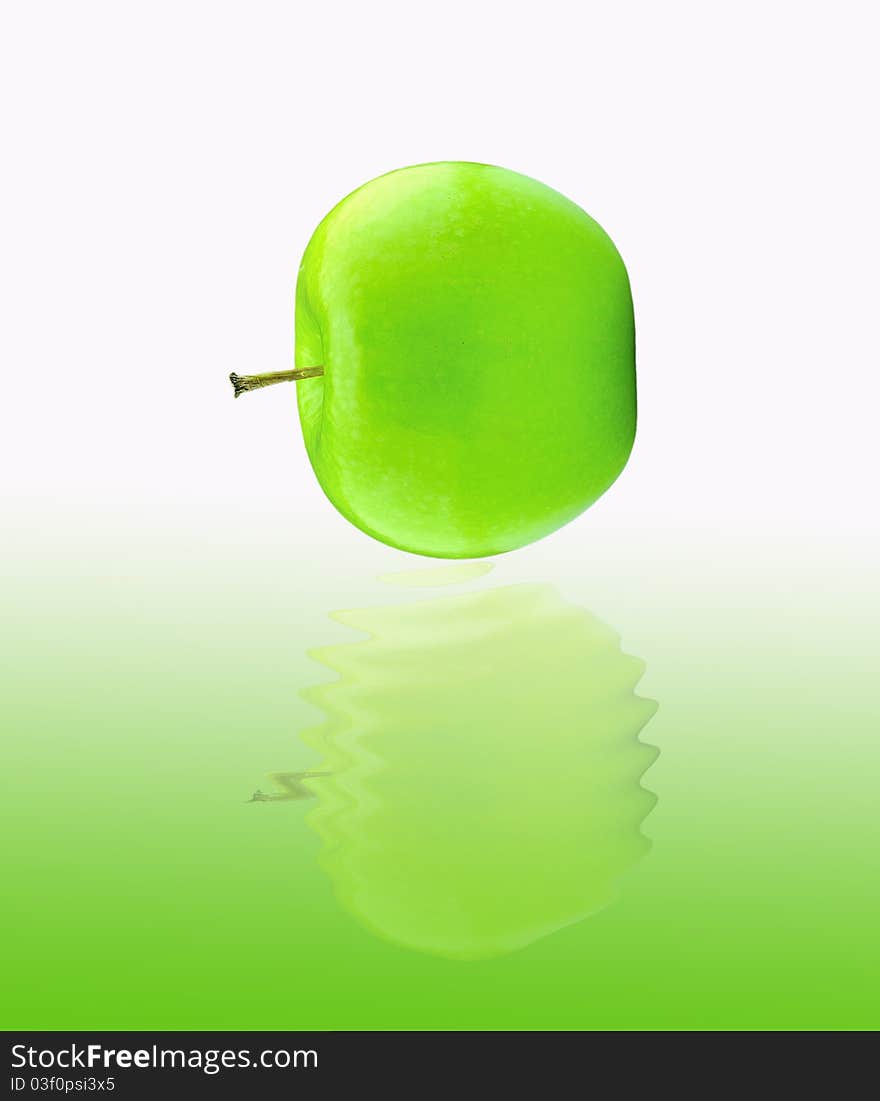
(233, 804)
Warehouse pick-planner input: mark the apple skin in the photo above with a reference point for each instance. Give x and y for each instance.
(476, 332)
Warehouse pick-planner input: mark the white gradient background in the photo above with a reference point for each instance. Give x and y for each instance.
(166, 164)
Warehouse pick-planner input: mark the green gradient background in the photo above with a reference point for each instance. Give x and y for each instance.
(148, 698)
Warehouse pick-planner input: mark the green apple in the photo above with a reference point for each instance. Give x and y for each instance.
(475, 330)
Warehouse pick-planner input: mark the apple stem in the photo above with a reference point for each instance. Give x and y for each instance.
(242, 383)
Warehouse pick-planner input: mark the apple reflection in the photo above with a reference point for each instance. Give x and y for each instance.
(481, 769)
